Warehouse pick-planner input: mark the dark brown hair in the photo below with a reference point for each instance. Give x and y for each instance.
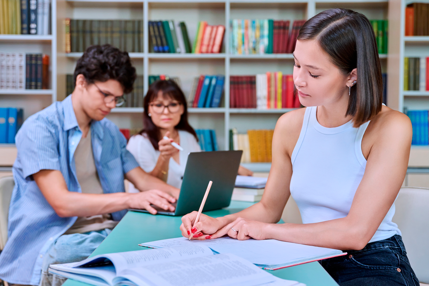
(168, 88)
(348, 38)
(101, 63)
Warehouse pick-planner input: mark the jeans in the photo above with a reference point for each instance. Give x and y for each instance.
(70, 248)
(379, 263)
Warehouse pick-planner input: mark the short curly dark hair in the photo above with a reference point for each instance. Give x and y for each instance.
(101, 63)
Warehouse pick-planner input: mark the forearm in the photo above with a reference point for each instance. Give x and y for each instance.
(337, 234)
(82, 205)
(160, 170)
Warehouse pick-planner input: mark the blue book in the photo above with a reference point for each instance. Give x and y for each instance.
(15, 119)
(204, 91)
(410, 114)
(3, 124)
(425, 126)
(211, 92)
(200, 139)
(214, 141)
(418, 127)
(218, 91)
(208, 144)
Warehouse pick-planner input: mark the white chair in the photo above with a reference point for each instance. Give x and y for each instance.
(412, 217)
(6, 188)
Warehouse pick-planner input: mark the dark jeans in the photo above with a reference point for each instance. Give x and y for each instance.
(381, 263)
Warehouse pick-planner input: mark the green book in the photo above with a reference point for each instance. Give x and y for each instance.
(73, 35)
(152, 79)
(95, 32)
(136, 34)
(162, 37)
(86, 34)
(406, 74)
(129, 45)
(109, 31)
(194, 47)
(187, 43)
(411, 73)
(374, 24)
(80, 36)
(153, 45)
(116, 34)
(385, 36)
(270, 36)
(140, 36)
(168, 36)
(174, 36)
(102, 32)
(380, 34)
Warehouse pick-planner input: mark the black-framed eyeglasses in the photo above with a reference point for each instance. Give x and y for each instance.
(108, 98)
(158, 108)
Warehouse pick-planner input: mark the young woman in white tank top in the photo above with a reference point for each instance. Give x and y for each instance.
(343, 158)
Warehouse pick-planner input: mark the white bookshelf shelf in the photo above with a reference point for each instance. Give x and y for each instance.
(416, 40)
(25, 38)
(27, 91)
(206, 110)
(127, 110)
(416, 93)
(261, 57)
(78, 55)
(185, 56)
(260, 111)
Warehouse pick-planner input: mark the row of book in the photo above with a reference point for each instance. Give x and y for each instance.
(11, 120)
(272, 90)
(416, 19)
(24, 71)
(207, 139)
(172, 37)
(206, 91)
(25, 17)
(263, 36)
(381, 32)
(419, 121)
(132, 99)
(416, 74)
(256, 144)
(126, 35)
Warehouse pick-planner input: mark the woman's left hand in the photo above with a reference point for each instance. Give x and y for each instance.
(243, 229)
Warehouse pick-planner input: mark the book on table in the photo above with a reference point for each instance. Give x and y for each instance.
(250, 182)
(191, 264)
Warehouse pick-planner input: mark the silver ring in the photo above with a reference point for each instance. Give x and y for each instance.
(234, 229)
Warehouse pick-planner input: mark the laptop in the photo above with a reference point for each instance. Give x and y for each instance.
(221, 167)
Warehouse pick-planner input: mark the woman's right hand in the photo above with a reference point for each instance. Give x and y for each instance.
(166, 150)
(205, 227)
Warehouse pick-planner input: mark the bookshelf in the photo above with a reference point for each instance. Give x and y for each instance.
(188, 66)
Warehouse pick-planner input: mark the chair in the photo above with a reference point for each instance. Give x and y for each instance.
(412, 217)
(6, 188)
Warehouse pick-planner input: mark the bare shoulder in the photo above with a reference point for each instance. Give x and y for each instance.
(390, 122)
(288, 128)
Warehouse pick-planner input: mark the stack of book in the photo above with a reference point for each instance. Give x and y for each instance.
(24, 71)
(208, 39)
(256, 145)
(272, 90)
(380, 28)
(207, 139)
(263, 36)
(126, 35)
(11, 120)
(416, 19)
(248, 189)
(416, 73)
(419, 121)
(206, 91)
(25, 17)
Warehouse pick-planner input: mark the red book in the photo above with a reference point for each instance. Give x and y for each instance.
(233, 89)
(275, 89)
(294, 34)
(296, 103)
(284, 89)
(285, 32)
(289, 91)
(281, 37)
(276, 38)
(198, 91)
(268, 90)
(245, 91)
(220, 31)
(212, 39)
(206, 39)
(427, 73)
(126, 133)
(409, 21)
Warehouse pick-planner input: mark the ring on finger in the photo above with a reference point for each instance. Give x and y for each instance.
(234, 229)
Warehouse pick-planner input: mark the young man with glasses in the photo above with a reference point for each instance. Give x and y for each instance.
(69, 174)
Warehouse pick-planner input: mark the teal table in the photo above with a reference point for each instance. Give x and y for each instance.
(138, 227)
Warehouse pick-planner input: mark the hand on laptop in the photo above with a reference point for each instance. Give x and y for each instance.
(143, 200)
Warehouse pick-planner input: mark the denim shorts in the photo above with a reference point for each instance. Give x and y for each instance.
(380, 263)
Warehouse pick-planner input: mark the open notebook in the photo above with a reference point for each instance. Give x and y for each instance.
(176, 266)
(268, 254)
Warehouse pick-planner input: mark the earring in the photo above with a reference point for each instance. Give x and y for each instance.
(350, 87)
(150, 115)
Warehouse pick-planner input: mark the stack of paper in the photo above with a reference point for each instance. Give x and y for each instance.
(250, 182)
(247, 194)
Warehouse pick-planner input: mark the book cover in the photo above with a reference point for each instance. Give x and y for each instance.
(45, 72)
(179, 37)
(24, 16)
(206, 39)
(204, 91)
(232, 92)
(214, 140)
(33, 17)
(11, 125)
(210, 93)
(406, 74)
(33, 70)
(279, 90)
(380, 34)
(422, 79)
(185, 35)
(409, 21)
(153, 45)
(191, 96)
(269, 89)
(168, 36)
(39, 72)
(198, 91)
(289, 91)
(217, 45)
(270, 47)
(40, 17)
(4, 115)
(95, 32)
(162, 36)
(212, 39)
(284, 91)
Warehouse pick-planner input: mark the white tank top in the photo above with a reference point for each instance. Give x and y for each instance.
(328, 166)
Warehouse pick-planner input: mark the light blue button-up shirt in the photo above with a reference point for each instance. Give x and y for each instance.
(47, 141)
